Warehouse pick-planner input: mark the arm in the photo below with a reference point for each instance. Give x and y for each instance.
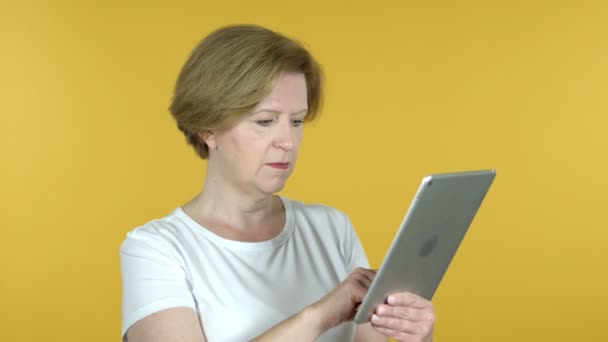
(330, 311)
(182, 325)
(153, 272)
(157, 302)
(169, 325)
(306, 325)
(366, 333)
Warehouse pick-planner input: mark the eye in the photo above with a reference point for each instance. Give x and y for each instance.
(297, 123)
(264, 122)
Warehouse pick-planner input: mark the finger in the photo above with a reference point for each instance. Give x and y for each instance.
(396, 324)
(404, 312)
(397, 335)
(419, 329)
(359, 290)
(364, 277)
(366, 283)
(370, 274)
(360, 280)
(408, 299)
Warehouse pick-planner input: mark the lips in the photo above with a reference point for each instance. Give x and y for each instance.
(281, 166)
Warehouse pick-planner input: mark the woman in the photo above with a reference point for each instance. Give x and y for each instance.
(237, 262)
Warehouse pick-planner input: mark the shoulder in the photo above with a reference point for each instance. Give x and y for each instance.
(329, 229)
(165, 235)
(319, 220)
(317, 213)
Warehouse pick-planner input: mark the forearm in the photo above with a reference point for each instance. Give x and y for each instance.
(365, 333)
(305, 326)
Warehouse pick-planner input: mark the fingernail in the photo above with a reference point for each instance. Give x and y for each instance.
(392, 300)
(381, 310)
(375, 318)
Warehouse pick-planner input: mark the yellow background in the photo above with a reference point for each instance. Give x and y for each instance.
(89, 151)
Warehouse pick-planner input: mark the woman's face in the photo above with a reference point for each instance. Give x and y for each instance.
(259, 153)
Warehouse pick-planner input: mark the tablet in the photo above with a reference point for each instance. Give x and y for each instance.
(434, 226)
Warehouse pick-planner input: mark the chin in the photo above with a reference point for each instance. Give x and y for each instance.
(272, 188)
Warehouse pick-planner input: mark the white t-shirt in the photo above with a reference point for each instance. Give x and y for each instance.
(239, 289)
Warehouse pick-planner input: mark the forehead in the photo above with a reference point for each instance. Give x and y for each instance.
(289, 91)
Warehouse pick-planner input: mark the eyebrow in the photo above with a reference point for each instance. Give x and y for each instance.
(273, 111)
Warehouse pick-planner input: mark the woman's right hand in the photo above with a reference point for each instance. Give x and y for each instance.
(340, 304)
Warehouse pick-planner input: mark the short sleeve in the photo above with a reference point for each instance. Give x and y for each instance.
(355, 254)
(153, 277)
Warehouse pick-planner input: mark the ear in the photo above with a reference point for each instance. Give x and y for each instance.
(209, 138)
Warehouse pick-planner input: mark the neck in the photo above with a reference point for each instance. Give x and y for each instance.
(224, 206)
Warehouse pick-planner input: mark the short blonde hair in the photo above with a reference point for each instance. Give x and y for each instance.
(230, 72)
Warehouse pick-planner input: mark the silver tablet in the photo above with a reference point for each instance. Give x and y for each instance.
(428, 238)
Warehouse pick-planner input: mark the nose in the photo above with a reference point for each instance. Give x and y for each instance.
(285, 136)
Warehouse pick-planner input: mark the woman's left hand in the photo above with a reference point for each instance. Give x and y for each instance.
(405, 317)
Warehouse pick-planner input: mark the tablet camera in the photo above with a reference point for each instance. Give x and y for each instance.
(428, 246)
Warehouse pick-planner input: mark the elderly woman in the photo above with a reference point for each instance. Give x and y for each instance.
(237, 262)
